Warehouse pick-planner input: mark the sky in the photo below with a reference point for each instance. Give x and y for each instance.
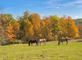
(45, 8)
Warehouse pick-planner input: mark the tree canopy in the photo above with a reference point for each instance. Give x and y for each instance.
(32, 26)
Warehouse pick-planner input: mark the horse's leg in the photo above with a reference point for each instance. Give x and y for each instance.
(66, 41)
(40, 42)
(29, 43)
(62, 42)
(45, 42)
(58, 42)
(36, 42)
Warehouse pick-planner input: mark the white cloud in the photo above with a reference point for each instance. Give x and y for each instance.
(58, 4)
(76, 3)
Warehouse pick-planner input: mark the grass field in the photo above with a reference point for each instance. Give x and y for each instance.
(50, 51)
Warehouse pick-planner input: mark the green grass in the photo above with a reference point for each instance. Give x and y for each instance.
(50, 51)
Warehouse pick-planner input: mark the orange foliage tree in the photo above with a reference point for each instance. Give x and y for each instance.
(68, 27)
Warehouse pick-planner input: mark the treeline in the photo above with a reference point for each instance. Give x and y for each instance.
(31, 26)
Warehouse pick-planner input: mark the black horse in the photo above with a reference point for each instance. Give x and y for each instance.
(64, 39)
(30, 42)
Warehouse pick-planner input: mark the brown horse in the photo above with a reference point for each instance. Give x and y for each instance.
(63, 39)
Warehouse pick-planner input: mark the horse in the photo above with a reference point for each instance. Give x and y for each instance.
(42, 41)
(63, 39)
(33, 41)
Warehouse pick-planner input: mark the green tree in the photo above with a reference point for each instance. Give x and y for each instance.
(55, 24)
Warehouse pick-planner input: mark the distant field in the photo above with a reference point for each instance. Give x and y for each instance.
(50, 51)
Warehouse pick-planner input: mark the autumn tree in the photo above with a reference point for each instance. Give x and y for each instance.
(45, 26)
(23, 21)
(26, 27)
(55, 26)
(72, 28)
(68, 27)
(35, 20)
(4, 22)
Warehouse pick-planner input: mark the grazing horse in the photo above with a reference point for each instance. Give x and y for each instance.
(42, 41)
(61, 40)
(33, 41)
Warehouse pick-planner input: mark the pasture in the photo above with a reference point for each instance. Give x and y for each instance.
(50, 51)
